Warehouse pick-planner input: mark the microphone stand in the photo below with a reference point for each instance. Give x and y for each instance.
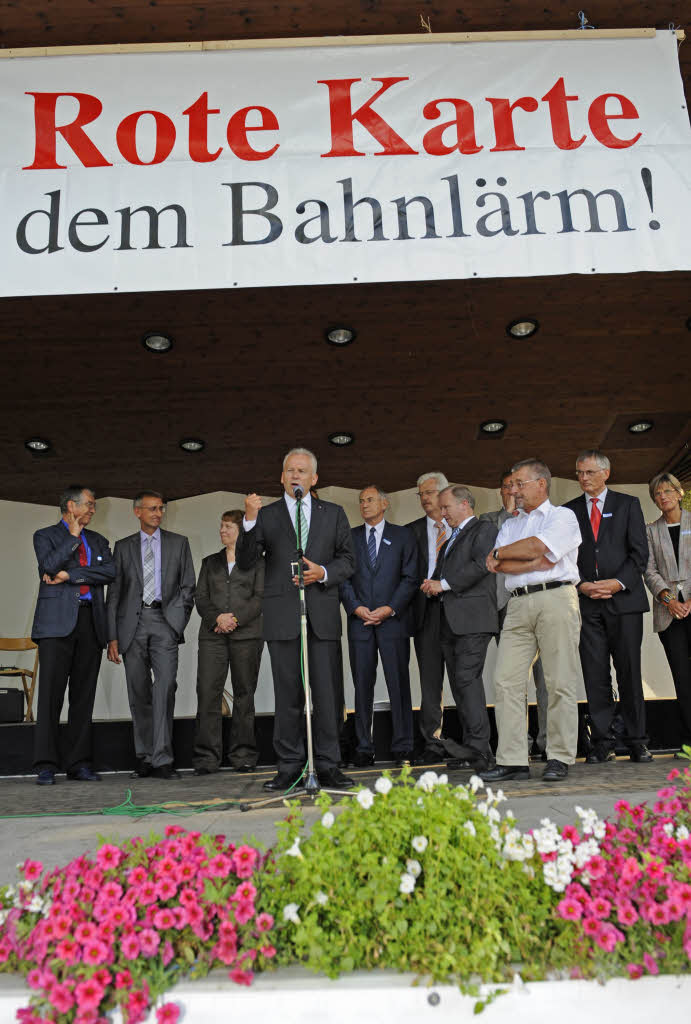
(311, 785)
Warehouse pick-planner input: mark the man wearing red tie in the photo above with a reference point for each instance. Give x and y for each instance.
(611, 561)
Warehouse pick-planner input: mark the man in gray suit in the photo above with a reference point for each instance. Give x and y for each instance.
(499, 517)
(148, 606)
(468, 596)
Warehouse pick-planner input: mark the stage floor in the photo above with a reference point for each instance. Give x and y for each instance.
(55, 823)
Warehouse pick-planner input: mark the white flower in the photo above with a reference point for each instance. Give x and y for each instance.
(668, 829)
(470, 828)
(419, 843)
(365, 798)
(682, 833)
(427, 781)
(26, 886)
(294, 850)
(36, 905)
(475, 783)
(413, 867)
(420, 802)
(499, 796)
(3, 917)
(327, 819)
(483, 807)
(383, 785)
(407, 883)
(493, 814)
(290, 912)
(320, 897)
(443, 780)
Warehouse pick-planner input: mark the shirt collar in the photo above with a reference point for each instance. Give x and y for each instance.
(543, 509)
(465, 522)
(379, 528)
(291, 502)
(600, 498)
(156, 535)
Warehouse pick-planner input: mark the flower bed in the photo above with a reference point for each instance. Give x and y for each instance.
(414, 876)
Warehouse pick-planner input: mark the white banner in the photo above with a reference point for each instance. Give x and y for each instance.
(139, 172)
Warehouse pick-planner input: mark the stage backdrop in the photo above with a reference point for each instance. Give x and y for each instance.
(336, 164)
(198, 519)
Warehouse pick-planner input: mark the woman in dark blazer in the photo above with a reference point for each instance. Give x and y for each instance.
(668, 578)
(229, 601)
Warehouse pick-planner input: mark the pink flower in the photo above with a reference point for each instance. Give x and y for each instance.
(164, 919)
(109, 856)
(635, 970)
(568, 908)
(89, 994)
(606, 938)
(186, 872)
(129, 945)
(268, 951)
(111, 891)
(33, 978)
(244, 859)
(149, 941)
(218, 867)
(650, 964)
(137, 876)
(264, 922)
(600, 907)
(166, 889)
(658, 913)
(225, 951)
(626, 913)
(591, 926)
(168, 1013)
(61, 998)
(244, 911)
(168, 953)
(245, 891)
(241, 977)
(147, 893)
(68, 950)
(123, 979)
(94, 952)
(31, 869)
(630, 871)
(166, 867)
(85, 931)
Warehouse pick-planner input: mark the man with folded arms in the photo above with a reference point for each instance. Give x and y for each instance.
(537, 551)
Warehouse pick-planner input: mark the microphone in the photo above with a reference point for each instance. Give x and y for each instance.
(298, 492)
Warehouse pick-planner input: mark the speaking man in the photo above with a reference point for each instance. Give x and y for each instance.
(70, 630)
(149, 605)
(430, 532)
(468, 597)
(611, 561)
(377, 599)
(537, 551)
(328, 560)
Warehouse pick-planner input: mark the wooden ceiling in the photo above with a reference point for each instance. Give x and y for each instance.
(250, 372)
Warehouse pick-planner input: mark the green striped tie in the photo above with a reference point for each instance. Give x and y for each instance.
(304, 528)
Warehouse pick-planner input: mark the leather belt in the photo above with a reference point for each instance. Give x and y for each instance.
(151, 604)
(533, 588)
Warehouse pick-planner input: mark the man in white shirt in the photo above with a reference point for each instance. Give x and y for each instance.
(537, 551)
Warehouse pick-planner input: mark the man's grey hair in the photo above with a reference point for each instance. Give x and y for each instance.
(73, 493)
(538, 467)
(139, 498)
(441, 480)
(302, 451)
(374, 487)
(594, 453)
(460, 493)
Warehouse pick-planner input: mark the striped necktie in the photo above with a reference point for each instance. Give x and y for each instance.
(149, 594)
(372, 547)
(441, 536)
(304, 527)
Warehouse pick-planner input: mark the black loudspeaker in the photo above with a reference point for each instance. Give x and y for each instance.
(11, 705)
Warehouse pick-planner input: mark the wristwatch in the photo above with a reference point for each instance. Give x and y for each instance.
(495, 555)
(666, 597)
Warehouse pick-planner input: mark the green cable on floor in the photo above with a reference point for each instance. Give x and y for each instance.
(129, 810)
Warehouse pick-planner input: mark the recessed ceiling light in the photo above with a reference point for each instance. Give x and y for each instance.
(154, 341)
(37, 444)
(340, 335)
(641, 426)
(522, 328)
(192, 444)
(341, 439)
(493, 427)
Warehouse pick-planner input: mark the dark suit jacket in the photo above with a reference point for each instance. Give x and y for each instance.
(470, 605)
(392, 581)
(58, 604)
(421, 603)
(219, 591)
(124, 601)
(328, 544)
(621, 551)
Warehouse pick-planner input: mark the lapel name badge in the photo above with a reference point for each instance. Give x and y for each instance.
(606, 515)
(386, 541)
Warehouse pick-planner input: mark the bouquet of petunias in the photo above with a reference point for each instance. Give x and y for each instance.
(120, 929)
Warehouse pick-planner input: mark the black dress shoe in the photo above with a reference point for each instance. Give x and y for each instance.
(282, 782)
(478, 764)
(244, 768)
(429, 757)
(205, 771)
(404, 757)
(335, 779)
(164, 771)
(555, 771)
(502, 772)
(599, 754)
(640, 753)
(142, 770)
(83, 773)
(361, 759)
(46, 777)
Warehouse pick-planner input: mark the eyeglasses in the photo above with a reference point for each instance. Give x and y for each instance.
(152, 508)
(667, 490)
(523, 483)
(88, 504)
(427, 494)
(588, 472)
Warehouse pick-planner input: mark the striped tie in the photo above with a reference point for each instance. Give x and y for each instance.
(441, 535)
(372, 547)
(149, 573)
(304, 528)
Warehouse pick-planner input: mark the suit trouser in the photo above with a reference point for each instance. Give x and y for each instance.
(216, 655)
(289, 699)
(548, 621)
(152, 652)
(465, 659)
(431, 665)
(540, 691)
(621, 636)
(676, 640)
(75, 658)
(395, 658)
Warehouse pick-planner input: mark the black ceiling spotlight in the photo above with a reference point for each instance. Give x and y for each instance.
(340, 336)
(641, 426)
(341, 438)
(525, 327)
(192, 444)
(38, 445)
(493, 428)
(154, 341)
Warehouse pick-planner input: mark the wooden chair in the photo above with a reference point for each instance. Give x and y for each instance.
(28, 675)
